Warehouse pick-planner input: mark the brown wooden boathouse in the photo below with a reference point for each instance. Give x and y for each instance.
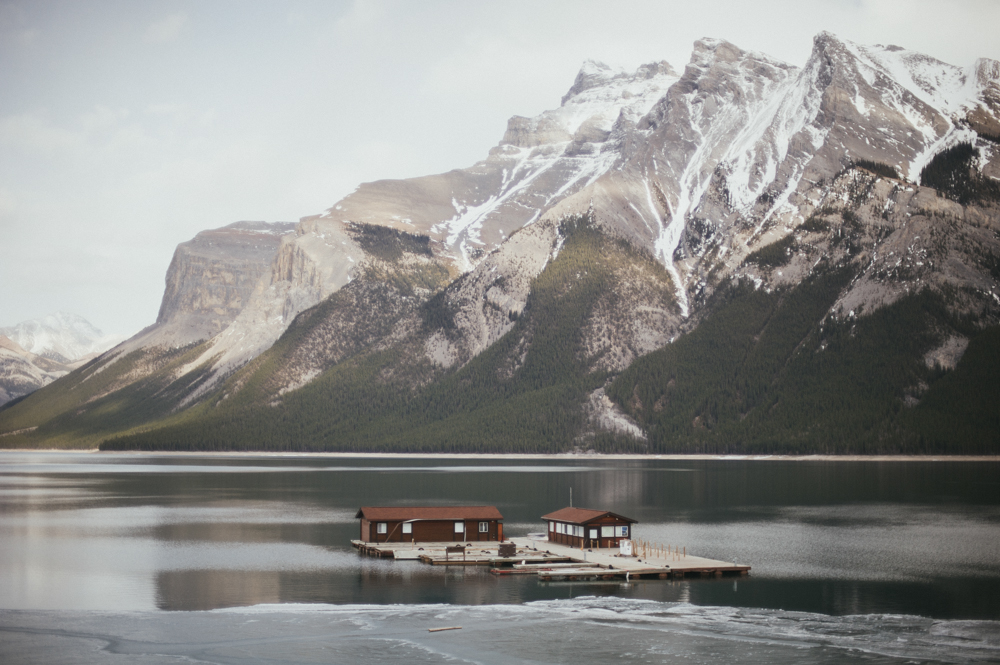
(580, 527)
(434, 524)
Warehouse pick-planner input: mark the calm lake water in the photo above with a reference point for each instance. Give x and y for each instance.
(145, 558)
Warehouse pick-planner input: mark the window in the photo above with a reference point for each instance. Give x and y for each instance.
(484, 527)
(552, 526)
(459, 527)
(593, 533)
(607, 532)
(407, 527)
(621, 532)
(578, 531)
(380, 527)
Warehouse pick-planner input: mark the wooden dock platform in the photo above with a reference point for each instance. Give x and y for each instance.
(551, 561)
(608, 564)
(437, 554)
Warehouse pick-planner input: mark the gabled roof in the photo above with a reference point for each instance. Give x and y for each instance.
(386, 513)
(583, 516)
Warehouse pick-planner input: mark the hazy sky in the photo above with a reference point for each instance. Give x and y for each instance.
(127, 127)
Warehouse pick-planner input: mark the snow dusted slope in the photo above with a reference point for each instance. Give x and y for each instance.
(467, 212)
(22, 372)
(728, 159)
(61, 337)
(539, 161)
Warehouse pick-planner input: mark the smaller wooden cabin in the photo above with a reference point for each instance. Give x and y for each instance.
(580, 527)
(430, 524)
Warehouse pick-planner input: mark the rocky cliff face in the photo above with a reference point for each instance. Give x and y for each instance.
(212, 277)
(210, 280)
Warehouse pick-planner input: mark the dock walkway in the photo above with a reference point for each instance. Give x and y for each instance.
(609, 564)
(551, 561)
(476, 553)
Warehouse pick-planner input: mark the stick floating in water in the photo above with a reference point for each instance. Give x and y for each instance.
(437, 630)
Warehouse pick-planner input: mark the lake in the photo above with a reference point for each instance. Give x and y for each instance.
(227, 558)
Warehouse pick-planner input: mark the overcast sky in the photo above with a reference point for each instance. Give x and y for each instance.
(127, 127)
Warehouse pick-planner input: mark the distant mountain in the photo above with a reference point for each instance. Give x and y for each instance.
(23, 372)
(748, 256)
(37, 352)
(61, 337)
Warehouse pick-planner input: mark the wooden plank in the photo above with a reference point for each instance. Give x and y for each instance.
(531, 559)
(552, 566)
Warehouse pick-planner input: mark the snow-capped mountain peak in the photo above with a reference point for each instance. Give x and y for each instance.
(60, 336)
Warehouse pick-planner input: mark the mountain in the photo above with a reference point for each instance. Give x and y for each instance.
(746, 256)
(23, 372)
(37, 352)
(61, 337)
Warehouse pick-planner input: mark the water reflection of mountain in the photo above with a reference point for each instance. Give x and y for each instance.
(381, 583)
(325, 535)
(190, 590)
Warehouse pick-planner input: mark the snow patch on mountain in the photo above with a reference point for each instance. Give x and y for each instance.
(569, 147)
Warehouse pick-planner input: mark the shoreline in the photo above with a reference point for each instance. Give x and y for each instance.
(522, 456)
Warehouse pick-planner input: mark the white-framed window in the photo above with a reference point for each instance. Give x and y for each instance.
(607, 532)
(561, 528)
(552, 527)
(593, 533)
(484, 527)
(459, 527)
(578, 531)
(407, 527)
(381, 527)
(621, 532)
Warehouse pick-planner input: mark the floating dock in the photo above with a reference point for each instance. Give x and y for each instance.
(475, 554)
(551, 561)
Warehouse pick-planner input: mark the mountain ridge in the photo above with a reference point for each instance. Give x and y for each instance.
(742, 170)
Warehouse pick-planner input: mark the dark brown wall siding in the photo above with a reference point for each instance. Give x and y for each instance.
(433, 532)
(429, 532)
(575, 541)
